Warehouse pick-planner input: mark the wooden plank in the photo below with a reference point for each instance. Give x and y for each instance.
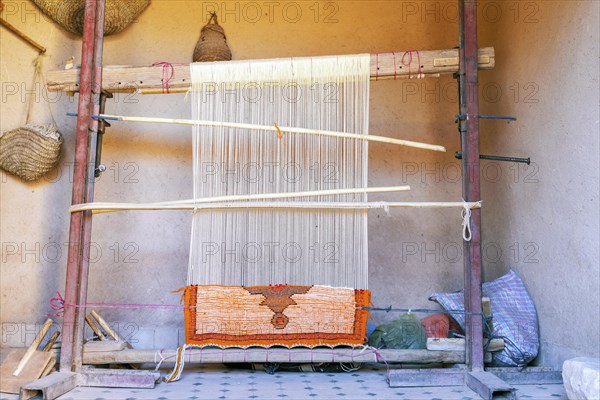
(459, 344)
(486, 308)
(149, 78)
(104, 345)
(118, 378)
(259, 355)
(51, 386)
(35, 367)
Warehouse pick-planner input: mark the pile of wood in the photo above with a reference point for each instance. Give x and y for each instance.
(25, 365)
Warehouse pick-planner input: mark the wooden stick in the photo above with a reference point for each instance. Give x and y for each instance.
(94, 327)
(51, 341)
(265, 196)
(148, 79)
(113, 207)
(36, 342)
(273, 128)
(41, 49)
(107, 328)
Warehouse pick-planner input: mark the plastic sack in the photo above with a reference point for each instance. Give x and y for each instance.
(514, 318)
(406, 332)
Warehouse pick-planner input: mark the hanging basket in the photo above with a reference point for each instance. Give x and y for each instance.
(212, 45)
(119, 14)
(30, 151)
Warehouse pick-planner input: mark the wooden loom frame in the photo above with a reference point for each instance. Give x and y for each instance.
(467, 58)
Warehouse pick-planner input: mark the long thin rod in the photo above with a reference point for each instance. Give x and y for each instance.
(75, 258)
(113, 207)
(262, 196)
(273, 128)
(41, 49)
(471, 182)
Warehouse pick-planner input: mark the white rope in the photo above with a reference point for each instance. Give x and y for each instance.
(308, 205)
(466, 219)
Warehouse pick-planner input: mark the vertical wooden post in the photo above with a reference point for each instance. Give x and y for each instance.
(469, 130)
(83, 188)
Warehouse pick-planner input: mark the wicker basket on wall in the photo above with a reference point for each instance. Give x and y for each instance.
(69, 14)
(212, 45)
(30, 151)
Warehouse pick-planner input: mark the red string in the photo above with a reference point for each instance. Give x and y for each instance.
(395, 69)
(58, 304)
(167, 74)
(409, 53)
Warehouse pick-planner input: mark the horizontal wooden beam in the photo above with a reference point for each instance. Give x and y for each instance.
(148, 79)
(256, 355)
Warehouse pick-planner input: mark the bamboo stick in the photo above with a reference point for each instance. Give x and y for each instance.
(113, 207)
(107, 328)
(41, 49)
(273, 128)
(51, 341)
(94, 327)
(264, 196)
(36, 342)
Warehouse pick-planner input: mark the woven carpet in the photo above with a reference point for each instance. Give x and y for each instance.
(280, 315)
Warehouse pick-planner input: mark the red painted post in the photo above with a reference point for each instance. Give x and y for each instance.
(96, 89)
(78, 259)
(471, 181)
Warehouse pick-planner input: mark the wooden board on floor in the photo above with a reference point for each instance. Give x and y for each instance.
(459, 344)
(32, 371)
(260, 355)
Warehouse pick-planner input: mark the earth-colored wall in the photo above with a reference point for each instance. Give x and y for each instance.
(542, 220)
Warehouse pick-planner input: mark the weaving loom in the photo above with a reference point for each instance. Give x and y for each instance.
(301, 247)
(245, 248)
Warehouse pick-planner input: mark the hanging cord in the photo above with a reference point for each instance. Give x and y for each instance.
(38, 75)
(167, 74)
(466, 220)
(407, 59)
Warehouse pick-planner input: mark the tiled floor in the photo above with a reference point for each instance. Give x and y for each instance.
(216, 382)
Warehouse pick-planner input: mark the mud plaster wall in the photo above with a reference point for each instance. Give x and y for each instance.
(541, 220)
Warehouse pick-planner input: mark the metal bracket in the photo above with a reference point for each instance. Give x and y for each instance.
(59, 383)
(458, 155)
(507, 118)
(102, 125)
(489, 386)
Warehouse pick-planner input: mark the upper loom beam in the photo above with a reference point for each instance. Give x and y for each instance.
(148, 79)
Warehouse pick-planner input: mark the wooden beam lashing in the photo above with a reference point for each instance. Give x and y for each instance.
(148, 79)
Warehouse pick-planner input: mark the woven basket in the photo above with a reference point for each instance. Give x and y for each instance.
(119, 14)
(212, 45)
(30, 151)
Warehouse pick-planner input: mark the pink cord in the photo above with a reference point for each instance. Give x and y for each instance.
(167, 69)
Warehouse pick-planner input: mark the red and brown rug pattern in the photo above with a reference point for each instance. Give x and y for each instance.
(279, 315)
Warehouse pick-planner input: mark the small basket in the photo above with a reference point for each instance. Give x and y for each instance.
(69, 14)
(30, 151)
(212, 45)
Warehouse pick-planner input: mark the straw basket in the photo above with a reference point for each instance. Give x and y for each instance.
(30, 151)
(69, 14)
(212, 45)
